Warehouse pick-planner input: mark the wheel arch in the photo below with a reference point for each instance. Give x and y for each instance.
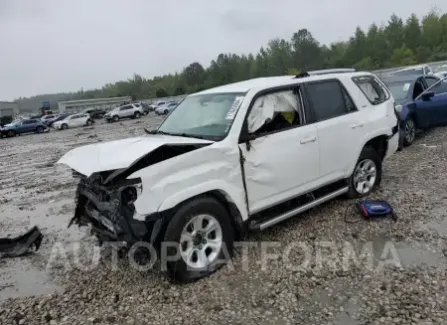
(379, 144)
(237, 219)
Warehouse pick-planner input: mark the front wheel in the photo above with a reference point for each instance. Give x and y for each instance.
(116, 118)
(409, 131)
(64, 126)
(367, 174)
(89, 122)
(137, 115)
(166, 112)
(39, 129)
(203, 238)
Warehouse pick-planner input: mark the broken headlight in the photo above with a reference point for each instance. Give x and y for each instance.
(130, 193)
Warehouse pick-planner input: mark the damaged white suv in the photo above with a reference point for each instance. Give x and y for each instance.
(239, 157)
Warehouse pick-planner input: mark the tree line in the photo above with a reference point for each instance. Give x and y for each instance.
(398, 43)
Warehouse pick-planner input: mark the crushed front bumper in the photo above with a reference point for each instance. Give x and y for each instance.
(109, 211)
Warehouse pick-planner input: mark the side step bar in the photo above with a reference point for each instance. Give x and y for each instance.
(298, 210)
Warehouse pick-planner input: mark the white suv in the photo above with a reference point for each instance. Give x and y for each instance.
(239, 157)
(126, 111)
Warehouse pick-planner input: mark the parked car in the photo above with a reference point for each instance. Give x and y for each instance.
(417, 70)
(126, 111)
(146, 108)
(243, 156)
(47, 119)
(59, 117)
(421, 103)
(95, 113)
(166, 109)
(441, 72)
(23, 126)
(73, 121)
(155, 105)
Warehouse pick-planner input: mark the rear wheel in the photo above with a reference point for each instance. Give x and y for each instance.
(166, 112)
(11, 133)
(64, 126)
(367, 174)
(203, 238)
(39, 129)
(89, 122)
(137, 115)
(116, 118)
(409, 131)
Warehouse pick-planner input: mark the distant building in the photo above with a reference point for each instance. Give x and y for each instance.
(9, 109)
(74, 106)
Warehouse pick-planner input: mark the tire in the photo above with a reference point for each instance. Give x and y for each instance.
(166, 112)
(64, 126)
(39, 129)
(368, 157)
(137, 115)
(116, 118)
(11, 134)
(409, 131)
(89, 122)
(178, 271)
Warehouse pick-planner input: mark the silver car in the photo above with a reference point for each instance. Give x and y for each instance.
(126, 111)
(166, 109)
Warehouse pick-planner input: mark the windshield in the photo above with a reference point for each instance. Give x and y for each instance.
(207, 116)
(399, 90)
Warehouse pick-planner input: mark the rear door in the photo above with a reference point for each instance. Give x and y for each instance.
(432, 111)
(339, 126)
(72, 120)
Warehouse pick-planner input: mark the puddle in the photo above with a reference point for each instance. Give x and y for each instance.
(19, 278)
(409, 255)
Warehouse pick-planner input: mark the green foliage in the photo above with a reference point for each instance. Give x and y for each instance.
(396, 44)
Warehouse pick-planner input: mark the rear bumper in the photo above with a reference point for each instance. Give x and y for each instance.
(393, 141)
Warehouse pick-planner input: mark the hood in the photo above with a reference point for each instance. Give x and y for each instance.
(118, 154)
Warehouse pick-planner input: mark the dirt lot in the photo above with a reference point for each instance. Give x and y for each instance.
(410, 289)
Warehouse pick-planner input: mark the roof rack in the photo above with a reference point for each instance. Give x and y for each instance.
(324, 71)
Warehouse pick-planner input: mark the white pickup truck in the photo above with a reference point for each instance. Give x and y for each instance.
(239, 157)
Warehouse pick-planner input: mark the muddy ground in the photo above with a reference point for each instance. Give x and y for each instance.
(403, 283)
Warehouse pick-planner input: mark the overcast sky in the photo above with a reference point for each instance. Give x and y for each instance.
(50, 46)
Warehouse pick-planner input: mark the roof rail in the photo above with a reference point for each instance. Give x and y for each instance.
(324, 71)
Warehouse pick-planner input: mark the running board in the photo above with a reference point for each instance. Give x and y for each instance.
(298, 210)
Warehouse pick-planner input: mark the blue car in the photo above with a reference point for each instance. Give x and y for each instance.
(24, 126)
(421, 102)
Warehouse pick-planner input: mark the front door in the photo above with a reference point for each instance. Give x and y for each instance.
(432, 111)
(282, 161)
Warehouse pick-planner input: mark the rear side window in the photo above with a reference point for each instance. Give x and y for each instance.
(329, 99)
(372, 88)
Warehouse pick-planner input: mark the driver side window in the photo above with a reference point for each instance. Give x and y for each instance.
(418, 89)
(274, 112)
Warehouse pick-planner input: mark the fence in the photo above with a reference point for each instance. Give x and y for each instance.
(434, 65)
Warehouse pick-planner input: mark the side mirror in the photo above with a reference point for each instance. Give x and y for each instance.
(426, 96)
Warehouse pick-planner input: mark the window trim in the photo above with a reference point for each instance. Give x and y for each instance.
(429, 88)
(311, 104)
(267, 91)
(384, 87)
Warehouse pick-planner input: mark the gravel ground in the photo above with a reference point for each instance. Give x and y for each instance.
(400, 280)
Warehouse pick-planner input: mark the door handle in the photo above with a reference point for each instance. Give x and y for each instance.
(306, 140)
(355, 126)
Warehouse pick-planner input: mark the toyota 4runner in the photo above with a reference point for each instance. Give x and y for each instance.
(126, 111)
(243, 156)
